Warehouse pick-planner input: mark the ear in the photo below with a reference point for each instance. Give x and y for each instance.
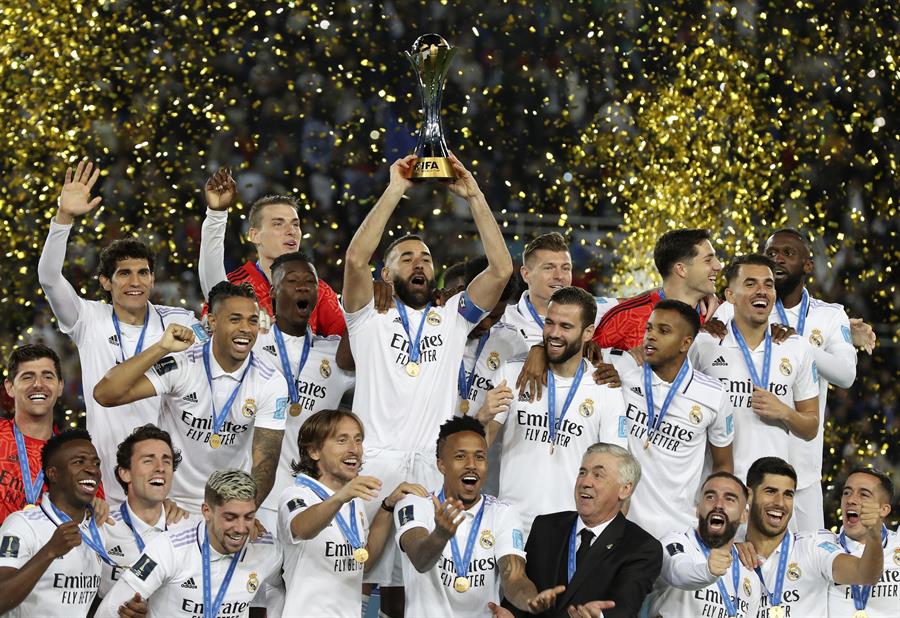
(50, 473)
(253, 235)
(105, 283)
(440, 466)
(625, 491)
(523, 270)
(729, 295)
(123, 474)
(315, 454)
(884, 510)
(745, 514)
(808, 265)
(686, 344)
(205, 511)
(9, 388)
(385, 274)
(587, 333)
(211, 319)
(680, 269)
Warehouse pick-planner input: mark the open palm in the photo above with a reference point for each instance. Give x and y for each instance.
(75, 197)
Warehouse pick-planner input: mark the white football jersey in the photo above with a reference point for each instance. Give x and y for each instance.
(534, 480)
(686, 588)
(320, 574)
(68, 586)
(531, 332)
(672, 465)
(432, 593)
(503, 344)
(884, 596)
(320, 386)
(792, 377)
(261, 402)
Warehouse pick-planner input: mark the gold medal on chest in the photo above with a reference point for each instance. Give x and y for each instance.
(461, 584)
(412, 369)
(360, 554)
(215, 440)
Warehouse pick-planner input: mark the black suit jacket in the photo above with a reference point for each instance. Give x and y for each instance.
(621, 566)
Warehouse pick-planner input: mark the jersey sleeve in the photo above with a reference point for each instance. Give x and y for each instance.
(508, 536)
(328, 319)
(822, 552)
(65, 302)
(169, 376)
(683, 567)
(614, 402)
(807, 384)
(211, 265)
(413, 512)
(604, 304)
(836, 359)
(270, 411)
(721, 430)
(293, 501)
(699, 350)
(152, 570)
(357, 320)
(466, 308)
(18, 542)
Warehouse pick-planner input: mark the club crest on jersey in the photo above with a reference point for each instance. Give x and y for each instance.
(785, 367)
(252, 582)
(695, 415)
(249, 408)
(433, 318)
(493, 361)
(897, 556)
(748, 589)
(486, 539)
(815, 338)
(586, 408)
(325, 368)
(794, 572)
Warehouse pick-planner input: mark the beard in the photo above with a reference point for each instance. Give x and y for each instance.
(415, 299)
(759, 523)
(718, 540)
(568, 352)
(788, 284)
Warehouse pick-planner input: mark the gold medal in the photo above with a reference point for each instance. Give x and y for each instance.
(412, 369)
(646, 443)
(215, 440)
(464, 406)
(29, 507)
(295, 409)
(776, 611)
(360, 554)
(860, 613)
(461, 584)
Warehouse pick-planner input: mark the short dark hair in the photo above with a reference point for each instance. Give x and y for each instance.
(31, 352)
(123, 249)
(769, 465)
(687, 313)
(551, 241)
(455, 271)
(884, 481)
(255, 216)
(752, 259)
(790, 231)
(313, 433)
(475, 266)
(126, 448)
(727, 475)
(394, 243)
(57, 441)
(572, 295)
(287, 258)
(457, 424)
(227, 289)
(675, 246)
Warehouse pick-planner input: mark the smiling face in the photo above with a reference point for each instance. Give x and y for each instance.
(409, 267)
(792, 261)
(463, 462)
(235, 325)
(752, 292)
(700, 271)
(35, 388)
(564, 332)
(278, 232)
(150, 471)
(296, 291)
(667, 337)
(722, 509)
(74, 472)
(858, 488)
(339, 458)
(598, 489)
(230, 524)
(130, 284)
(545, 272)
(772, 504)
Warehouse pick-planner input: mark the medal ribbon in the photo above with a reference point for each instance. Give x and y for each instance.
(662, 296)
(461, 562)
(804, 309)
(32, 490)
(464, 382)
(93, 539)
(570, 565)
(762, 382)
(534, 314)
(350, 532)
(140, 344)
(286, 362)
(210, 607)
(775, 597)
(126, 519)
(735, 577)
(860, 594)
(551, 400)
(404, 319)
(219, 418)
(653, 423)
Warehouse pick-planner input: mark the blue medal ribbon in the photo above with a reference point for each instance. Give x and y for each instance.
(534, 314)
(654, 423)
(570, 565)
(32, 489)
(662, 296)
(464, 381)
(126, 519)
(140, 344)
(804, 309)
(461, 561)
(730, 608)
(210, 606)
(219, 418)
(351, 531)
(404, 319)
(286, 362)
(551, 400)
(761, 382)
(775, 596)
(93, 539)
(860, 594)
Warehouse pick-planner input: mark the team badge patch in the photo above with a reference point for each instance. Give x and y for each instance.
(200, 333)
(295, 504)
(586, 408)
(325, 368)
(9, 547)
(281, 404)
(165, 365)
(785, 367)
(405, 515)
(433, 318)
(794, 572)
(252, 582)
(249, 408)
(845, 331)
(696, 415)
(897, 556)
(143, 567)
(675, 549)
(748, 589)
(486, 539)
(829, 547)
(815, 338)
(519, 539)
(493, 361)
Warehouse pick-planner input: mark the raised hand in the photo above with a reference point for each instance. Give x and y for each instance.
(383, 293)
(365, 487)
(862, 335)
(544, 600)
(75, 197)
(719, 560)
(220, 190)
(177, 338)
(447, 517)
(870, 518)
(464, 185)
(66, 537)
(401, 171)
(496, 401)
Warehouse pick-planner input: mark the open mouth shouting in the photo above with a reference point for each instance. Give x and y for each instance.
(851, 516)
(351, 462)
(469, 481)
(157, 481)
(775, 517)
(242, 343)
(88, 486)
(760, 303)
(418, 280)
(716, 522)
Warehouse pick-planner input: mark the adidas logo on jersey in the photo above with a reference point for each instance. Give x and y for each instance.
(190, 398)
(116, 551)
(397, 320)
(720, 362)
(114, 340)
(270, 349)
(524, 397)
(637, 390)
(189, 584)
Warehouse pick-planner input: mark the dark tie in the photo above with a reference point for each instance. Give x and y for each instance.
(586, 537)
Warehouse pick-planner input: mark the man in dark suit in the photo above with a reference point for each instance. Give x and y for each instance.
(606, 563)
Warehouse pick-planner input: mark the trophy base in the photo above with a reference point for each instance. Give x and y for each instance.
(433, 168)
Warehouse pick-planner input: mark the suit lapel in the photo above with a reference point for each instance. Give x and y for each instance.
(605, 543)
